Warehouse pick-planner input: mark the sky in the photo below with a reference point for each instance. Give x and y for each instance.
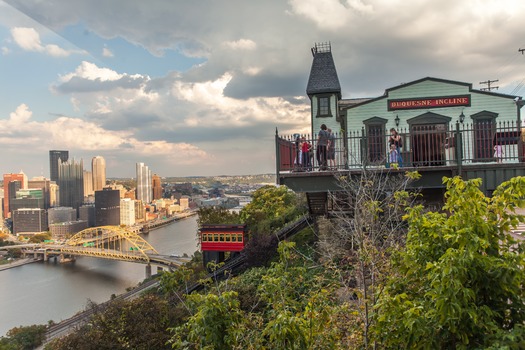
(200, 87)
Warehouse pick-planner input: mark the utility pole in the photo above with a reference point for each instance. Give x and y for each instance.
(488, 83)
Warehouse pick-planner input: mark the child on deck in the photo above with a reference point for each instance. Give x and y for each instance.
(393, 156)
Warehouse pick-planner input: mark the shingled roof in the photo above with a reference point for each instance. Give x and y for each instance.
(323, 75)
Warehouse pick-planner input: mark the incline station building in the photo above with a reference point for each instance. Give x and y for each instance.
(446, 127)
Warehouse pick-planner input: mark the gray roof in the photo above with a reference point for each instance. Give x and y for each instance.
(323, 75)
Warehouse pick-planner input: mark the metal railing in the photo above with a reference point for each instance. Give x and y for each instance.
(428, 145)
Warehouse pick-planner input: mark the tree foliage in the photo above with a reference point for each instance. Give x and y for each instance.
(459, 282)
(23, 338)
(270, 208)
(217, 215)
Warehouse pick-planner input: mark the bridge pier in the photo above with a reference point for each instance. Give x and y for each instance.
(148, 271)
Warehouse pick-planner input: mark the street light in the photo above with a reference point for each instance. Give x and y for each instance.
(397, 120)
(461, 117)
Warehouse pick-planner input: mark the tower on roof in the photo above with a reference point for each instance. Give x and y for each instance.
(323, 75)
(324, 89)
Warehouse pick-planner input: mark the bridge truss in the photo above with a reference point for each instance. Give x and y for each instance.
(109, 242)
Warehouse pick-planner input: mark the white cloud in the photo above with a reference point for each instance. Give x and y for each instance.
(107, 52)
(78, 134)
(241, 44)
(5, 50)
(29, 39)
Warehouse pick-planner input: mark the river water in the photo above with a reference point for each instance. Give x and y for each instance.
(39, 292)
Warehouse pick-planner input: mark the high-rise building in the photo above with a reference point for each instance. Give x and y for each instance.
(26, 198)
(107, 207)
(127, 212)
(44, 184)
(61, 214)
(87, 213)
(54, 194)
(29, 220)
(157, 187)
(144, 191)
(7, 179)
(98, 167)
(88, 184)
(54, 157)
(71, 183)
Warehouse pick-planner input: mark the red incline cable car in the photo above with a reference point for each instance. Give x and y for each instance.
(222, 238)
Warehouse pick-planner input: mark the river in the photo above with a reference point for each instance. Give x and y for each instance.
(39, 292)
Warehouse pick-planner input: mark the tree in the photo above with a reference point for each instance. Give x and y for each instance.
(458, 284)
(270, 208)
(24, 338)
(217, 215)
(366, 226)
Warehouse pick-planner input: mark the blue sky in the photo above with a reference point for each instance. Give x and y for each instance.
(198, 88)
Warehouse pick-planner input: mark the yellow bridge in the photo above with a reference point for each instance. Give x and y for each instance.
(106, 242)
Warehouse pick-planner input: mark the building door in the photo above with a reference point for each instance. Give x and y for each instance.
(428, 142)
(484, 130)
(376, 143)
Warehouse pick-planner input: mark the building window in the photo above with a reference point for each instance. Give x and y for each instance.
(323, 106)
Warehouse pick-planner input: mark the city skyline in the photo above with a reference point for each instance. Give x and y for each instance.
(199, 88)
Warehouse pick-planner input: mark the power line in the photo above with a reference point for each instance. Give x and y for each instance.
(489, 87)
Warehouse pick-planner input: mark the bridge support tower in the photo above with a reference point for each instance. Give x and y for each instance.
(148, 271)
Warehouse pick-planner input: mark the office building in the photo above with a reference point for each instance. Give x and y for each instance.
(98, 167)
(29, 220)
(144, 191)
(71, 183)
(54, 194)
(54, 157)
(107, 207)
(61, 214)
(88, 184)
(157, 187)
(127, 212)
(44, 184)
(22, 178)
(26, 198)
(65, 230)
(87, 213)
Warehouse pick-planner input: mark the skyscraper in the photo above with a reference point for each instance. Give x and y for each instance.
(71, 183)
(98, 167)
(88, 183)
(107, 207)
(157, 187)
(54, 156)
(7, 179)
(144, 191)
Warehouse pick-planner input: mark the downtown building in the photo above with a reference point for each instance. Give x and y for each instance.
(29, 220)
(144, 183)
(54, 157)
(107, 207)
(8, 178)
(157, 186)
(71, 183)
(98, 169)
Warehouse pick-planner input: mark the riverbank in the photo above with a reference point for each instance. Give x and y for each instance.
(18, 262)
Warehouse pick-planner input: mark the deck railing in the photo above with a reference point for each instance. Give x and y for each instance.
(422, 146)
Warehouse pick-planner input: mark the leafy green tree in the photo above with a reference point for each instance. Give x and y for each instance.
(458, 284)
(137, 324)
(217, 215)
(24, 338)
(270, 208)
(214, 322)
